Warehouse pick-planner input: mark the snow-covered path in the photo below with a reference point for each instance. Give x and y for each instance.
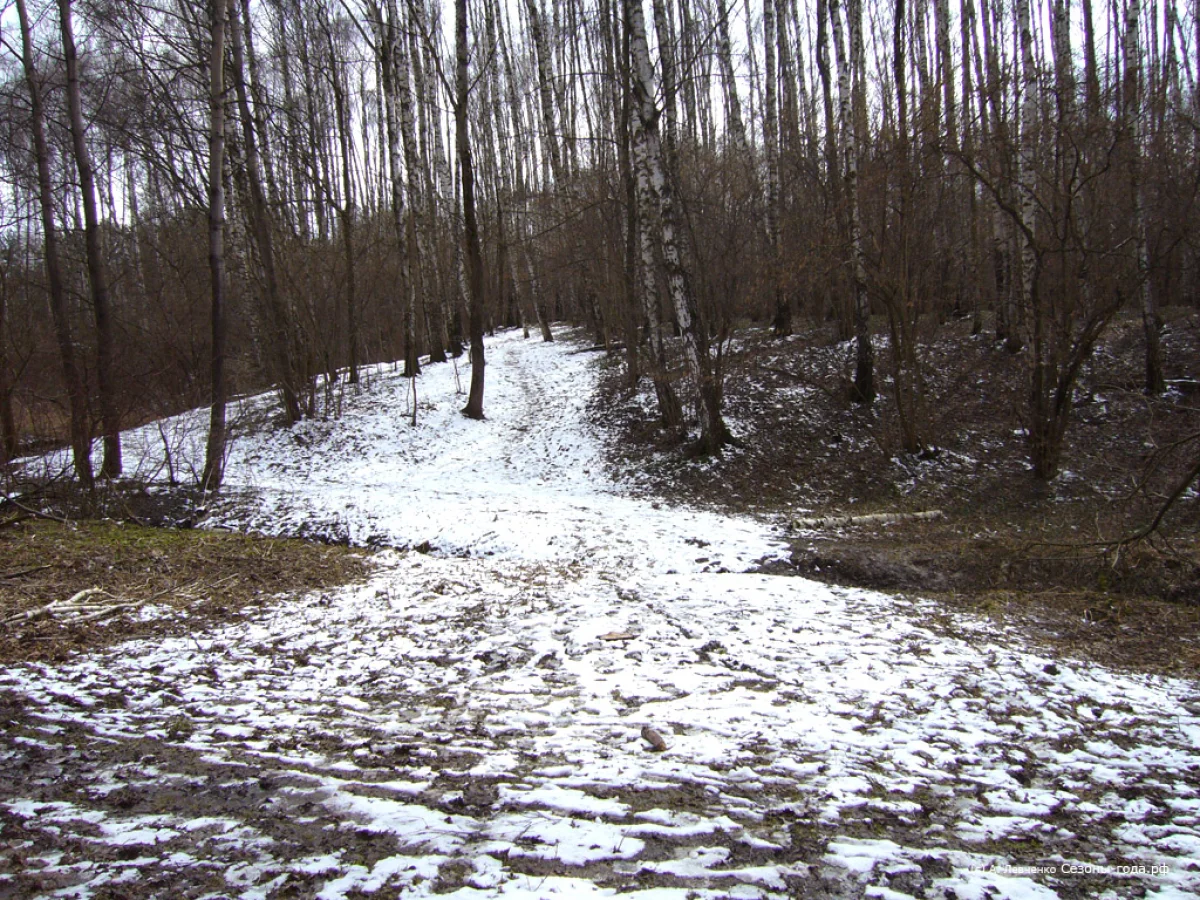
(526, 484)
(470, 721)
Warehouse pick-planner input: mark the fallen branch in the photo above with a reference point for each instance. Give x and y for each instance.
(73, 604)
(77, 609)
(29, 511)
(868, 519)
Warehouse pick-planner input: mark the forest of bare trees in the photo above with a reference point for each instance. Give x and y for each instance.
(204, 199)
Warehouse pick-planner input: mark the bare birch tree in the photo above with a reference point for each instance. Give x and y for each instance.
(713, 432)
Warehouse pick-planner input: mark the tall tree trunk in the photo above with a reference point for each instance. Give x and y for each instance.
(967, 33)
(498, 147)
(81, 442)
(666, 58)
(387, 38)
(524, 176)
(615, 102)
(1003, 228)
(447, 330)
(806, 99)
(713, 432)
(214, 457)
(1196, 81)
(900, 73)
(545, 91)
(97, 273)
(1026, 174)
(1043, 434)
(832, 174)
(414, 243)
(282, 349)
(782, 323)
(644, 212)
(294, 164)
(928, 99)
(902, 313)
(864, 367)
(755, 92)
(791, 82)
(347, 211)
(1133, 112)
(1064, 68)
(733, 104)
(472, 248)
(314, 174)
(8, 425)
(689, 76)
(946, 70)
(260, 105)
(550, 145)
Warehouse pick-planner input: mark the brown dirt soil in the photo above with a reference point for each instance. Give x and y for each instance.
(1043, 559)
(186, 577)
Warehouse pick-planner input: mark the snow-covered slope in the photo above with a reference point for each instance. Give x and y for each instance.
(470, 722)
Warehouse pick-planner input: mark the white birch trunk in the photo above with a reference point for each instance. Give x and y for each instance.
(755, 94)
(1064, 68)
(713, 433)
(669, 409)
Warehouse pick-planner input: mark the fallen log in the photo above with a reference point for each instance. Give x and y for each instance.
(847, 521)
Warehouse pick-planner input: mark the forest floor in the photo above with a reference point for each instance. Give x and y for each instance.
(574, 664)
